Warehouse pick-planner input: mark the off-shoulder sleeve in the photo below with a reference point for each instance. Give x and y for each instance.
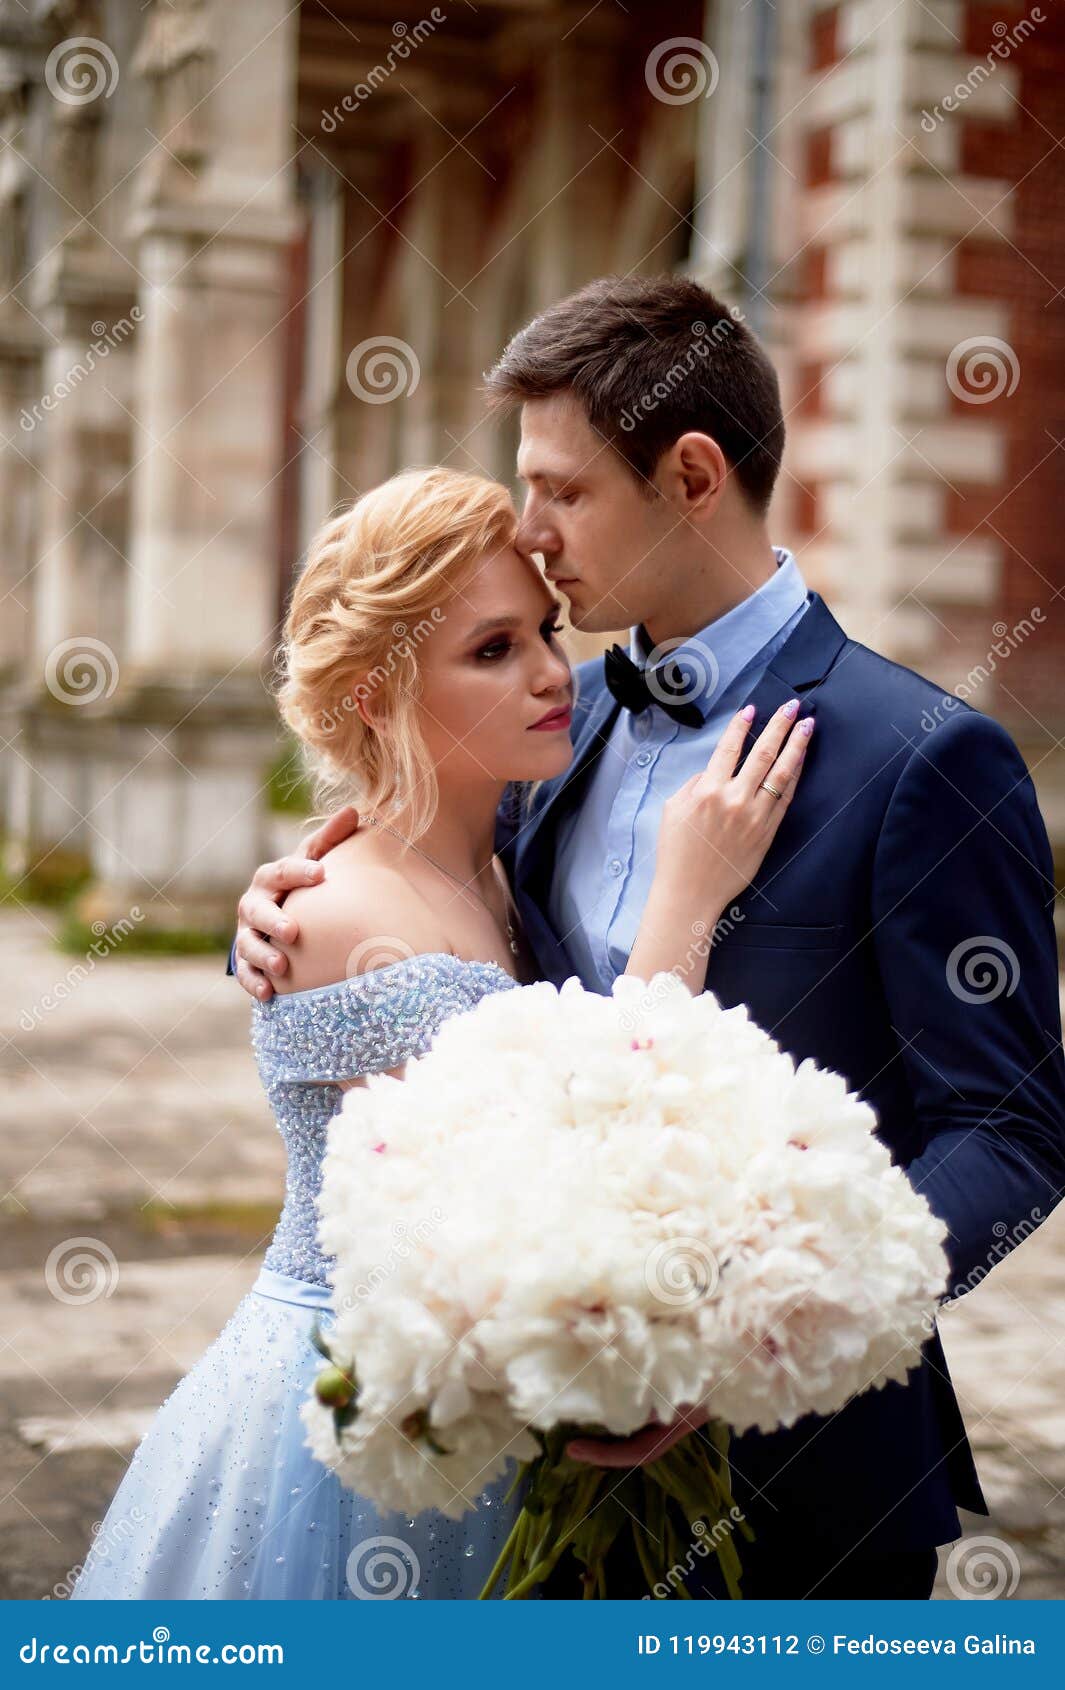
(367, 1024)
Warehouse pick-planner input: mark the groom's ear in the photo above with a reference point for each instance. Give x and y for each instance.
(692, 474)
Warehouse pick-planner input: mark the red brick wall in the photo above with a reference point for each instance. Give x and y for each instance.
(824, 39)
(1026, 513)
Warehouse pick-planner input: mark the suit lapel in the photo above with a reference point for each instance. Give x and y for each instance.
(809, 653)
(799, 667)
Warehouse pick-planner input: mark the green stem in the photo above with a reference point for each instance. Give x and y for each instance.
(641, 1552)
(541, 1567)
(508, 1549)
(520, 1561)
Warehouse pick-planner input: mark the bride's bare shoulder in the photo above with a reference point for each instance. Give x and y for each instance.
(361, 915)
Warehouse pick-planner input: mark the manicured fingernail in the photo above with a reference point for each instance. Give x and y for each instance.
(791, 708)
(806, 726)
(748, 712)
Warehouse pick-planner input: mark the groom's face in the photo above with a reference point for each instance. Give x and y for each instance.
(603, 541)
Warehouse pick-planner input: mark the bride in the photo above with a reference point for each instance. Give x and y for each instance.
(423, 673)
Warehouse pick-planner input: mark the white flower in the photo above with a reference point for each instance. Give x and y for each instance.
(609, 1207)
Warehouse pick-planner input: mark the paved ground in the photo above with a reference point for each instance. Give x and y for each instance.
(136, 1153)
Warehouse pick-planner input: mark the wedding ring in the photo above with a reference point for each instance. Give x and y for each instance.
(771, 789)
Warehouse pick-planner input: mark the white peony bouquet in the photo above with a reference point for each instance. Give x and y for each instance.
(610, 1208)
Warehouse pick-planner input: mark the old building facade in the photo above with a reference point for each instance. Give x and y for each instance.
(254, 258)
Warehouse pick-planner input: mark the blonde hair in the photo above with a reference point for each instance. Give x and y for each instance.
(368, 593)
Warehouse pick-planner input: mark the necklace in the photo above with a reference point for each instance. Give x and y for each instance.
(512, 937)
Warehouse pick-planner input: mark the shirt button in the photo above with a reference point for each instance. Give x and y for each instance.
(643, 758)
(615, 865)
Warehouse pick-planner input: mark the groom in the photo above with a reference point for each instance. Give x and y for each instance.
(899, 930)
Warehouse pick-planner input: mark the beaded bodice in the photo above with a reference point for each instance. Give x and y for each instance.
(306, 1042)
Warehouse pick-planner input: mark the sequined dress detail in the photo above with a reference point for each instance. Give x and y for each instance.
(222, 1498)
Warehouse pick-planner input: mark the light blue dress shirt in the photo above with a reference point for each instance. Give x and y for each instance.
(605, 855)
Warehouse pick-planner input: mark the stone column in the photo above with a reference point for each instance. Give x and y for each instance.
(66, 323)
(186, 739)
(323, 351)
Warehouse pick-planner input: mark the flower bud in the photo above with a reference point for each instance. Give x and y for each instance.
(334, 1388)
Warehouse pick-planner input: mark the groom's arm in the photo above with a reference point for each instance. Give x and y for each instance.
(963, 905)
(252, 959)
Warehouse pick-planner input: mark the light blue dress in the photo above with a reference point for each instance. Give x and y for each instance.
(222, 1498)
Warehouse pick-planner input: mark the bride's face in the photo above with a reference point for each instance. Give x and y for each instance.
(493, 669)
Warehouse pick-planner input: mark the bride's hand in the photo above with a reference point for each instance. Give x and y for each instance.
(718, 827)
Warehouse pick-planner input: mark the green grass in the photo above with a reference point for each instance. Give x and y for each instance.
(288, 791)
(54, 881)
(249, 1220)
(76, 937)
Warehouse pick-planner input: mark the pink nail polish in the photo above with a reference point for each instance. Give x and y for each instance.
(748, 712)
(806, 726)
(791, 708)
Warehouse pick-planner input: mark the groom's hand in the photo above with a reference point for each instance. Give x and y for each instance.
(260, 917)
(645, 1445)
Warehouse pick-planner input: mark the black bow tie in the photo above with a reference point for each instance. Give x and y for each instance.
(638, 688)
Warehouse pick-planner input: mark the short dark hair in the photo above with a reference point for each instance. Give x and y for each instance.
(650, 358)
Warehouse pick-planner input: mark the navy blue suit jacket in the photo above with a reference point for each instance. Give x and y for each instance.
(914, 832)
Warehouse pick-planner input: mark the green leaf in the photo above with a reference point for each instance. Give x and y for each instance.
(318, 1340)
